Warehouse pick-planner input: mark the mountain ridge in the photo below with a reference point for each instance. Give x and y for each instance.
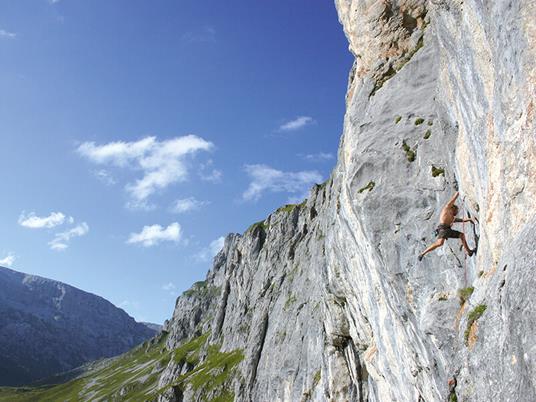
(48, 327)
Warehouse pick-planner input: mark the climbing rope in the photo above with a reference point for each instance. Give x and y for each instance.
(465, 252)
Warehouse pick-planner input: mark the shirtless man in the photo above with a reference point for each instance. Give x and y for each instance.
(444, 230)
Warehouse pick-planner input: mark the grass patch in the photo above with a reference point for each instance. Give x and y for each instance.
(465, 293)
(368, 187)
(382, 80)
(261, 224)
(411, 154)
(397, 119)
(316, 378)
(419, 121)
(437, 171)
(408, 57)
(473, 316)
(430, 122)
(290, 207)
(290, 301)
(209, 376)
(397, 67)
(189, 351)
(427, 134)
(201, 289)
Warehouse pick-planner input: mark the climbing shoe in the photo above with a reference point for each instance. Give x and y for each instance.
(419, 257)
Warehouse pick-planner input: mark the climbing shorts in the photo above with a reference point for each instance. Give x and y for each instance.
(446, 232)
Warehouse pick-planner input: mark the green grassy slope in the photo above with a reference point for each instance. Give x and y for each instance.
(134, 375)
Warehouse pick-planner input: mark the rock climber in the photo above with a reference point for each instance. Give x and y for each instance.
(444, 230)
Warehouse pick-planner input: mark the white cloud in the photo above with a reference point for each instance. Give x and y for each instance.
(168, 287)
(117, 153)
(187, 205)
(297, 123)
(204, 34)
(104, 177)
(7, 35)
(216, 245)
(214, 176)
(264, 178)
(319, 157)
(61, 240)
(54, 1)
(36, 222)
(154, 234)
(208, 173)
(162, 162)
(8, 260)
(140, 205)
(210, 252)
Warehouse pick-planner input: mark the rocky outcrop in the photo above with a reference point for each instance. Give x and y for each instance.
(48, 327)
(326, 300)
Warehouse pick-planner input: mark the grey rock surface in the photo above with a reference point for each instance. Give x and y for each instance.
(327, 300)
(48, 327)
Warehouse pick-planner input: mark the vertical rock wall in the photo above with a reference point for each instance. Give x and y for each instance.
(326, 300)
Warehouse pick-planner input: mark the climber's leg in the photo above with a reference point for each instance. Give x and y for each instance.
(468, 251)
(438, 243)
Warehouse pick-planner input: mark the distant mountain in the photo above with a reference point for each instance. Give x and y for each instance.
(154, 327)
(48, 327)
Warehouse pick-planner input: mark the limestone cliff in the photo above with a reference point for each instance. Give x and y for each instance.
(326, 300)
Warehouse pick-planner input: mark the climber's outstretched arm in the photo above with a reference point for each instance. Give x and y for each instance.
(465, 220)
(453, 199)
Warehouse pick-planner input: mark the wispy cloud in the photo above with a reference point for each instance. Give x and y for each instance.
(104, 177)
(208, 173)
(187, 205)
(213, 176)
(297, 123)
(204, 34)
(7, 35)
(54, 1)
(61, 240)
(211, 250)
(36, 222)
(155, 234)
(267, 179)
(170, 288)
(319, 157)
(8, 260)
(162, 162)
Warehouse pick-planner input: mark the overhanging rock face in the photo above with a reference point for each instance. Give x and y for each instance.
(326, 300)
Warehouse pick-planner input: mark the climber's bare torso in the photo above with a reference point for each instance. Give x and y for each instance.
(447, 216)
(444, 231)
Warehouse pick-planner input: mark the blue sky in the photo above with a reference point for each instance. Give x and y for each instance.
(134, 134)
